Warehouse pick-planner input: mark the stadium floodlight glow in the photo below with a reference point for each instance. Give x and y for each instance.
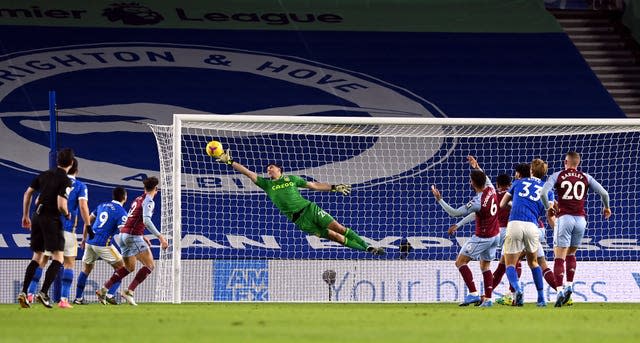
(228, 242)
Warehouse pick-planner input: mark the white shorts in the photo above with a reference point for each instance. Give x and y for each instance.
(521, 236)
(70, 245)
(94, 252)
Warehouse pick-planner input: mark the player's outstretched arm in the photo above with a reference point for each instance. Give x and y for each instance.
(436, 193)
(318, 186)
(466, 220)
(342, 188)
(473, 162)
(453, 212)
(227, 159)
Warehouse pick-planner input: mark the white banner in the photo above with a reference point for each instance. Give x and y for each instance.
(355, 281)
(435, 281)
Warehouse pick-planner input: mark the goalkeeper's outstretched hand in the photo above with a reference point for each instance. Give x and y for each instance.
(225, 157)
(341, 188)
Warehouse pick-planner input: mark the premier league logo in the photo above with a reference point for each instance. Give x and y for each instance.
(132, 14)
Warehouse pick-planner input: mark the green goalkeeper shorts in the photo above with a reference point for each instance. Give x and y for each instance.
(315, 221)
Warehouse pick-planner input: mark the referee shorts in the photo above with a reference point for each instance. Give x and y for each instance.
(46, 233)
(70, 245)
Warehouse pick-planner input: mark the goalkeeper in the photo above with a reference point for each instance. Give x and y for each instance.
(308, 216)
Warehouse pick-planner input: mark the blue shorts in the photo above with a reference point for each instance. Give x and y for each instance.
(503, 232)
(570, 231)
(132, 245)
(483, 249)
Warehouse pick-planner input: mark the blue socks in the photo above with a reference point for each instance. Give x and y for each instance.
(512, 275)
(56, 287)
(67, 279)
(33, 285)
(537, 279)
(82, 282)
(114, 288)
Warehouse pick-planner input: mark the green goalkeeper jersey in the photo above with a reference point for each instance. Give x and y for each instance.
(284, 193)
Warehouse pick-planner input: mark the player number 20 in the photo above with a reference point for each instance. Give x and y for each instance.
(573, 190)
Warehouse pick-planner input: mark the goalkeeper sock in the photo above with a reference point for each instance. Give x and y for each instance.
(82, 281)
(353, 236)
(33, 285)
(353, 244)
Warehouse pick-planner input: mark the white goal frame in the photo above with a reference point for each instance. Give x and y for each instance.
(510, 124)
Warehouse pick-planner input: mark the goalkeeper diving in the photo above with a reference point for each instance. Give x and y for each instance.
(307, 215)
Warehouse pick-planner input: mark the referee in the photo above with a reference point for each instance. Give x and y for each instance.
(46, 226)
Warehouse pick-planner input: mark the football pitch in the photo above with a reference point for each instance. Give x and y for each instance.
(279, 322)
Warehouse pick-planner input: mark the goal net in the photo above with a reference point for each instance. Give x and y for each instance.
(228, 242)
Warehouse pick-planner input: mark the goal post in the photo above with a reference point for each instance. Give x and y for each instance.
(228, 242)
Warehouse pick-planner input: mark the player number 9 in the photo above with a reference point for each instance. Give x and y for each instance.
(102, 218)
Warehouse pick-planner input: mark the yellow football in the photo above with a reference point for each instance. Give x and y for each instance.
(214, 149)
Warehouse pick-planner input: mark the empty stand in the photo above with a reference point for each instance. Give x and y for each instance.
(609, 49)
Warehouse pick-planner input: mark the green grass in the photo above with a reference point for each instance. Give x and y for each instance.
(277, 322)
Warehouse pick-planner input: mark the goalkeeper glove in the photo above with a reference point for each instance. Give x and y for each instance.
(225, 157)
(341, 188)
